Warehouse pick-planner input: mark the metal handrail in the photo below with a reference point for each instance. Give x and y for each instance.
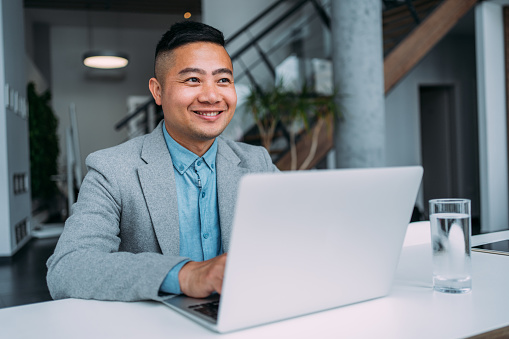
(276, 23)
(252, 43)
(130, 116)
(268, 53)
(254, 21)
(323, 15)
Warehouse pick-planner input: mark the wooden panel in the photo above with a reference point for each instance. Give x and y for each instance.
(501, 333)
(394, 25)
(402, 59)
(421, 40)
(325, 144)
(403, 9)
(388, 45)
(408, 19)
(398, 34)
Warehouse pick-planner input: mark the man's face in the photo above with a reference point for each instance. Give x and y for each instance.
(197, 94)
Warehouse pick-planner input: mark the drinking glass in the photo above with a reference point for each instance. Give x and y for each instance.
(450, 237)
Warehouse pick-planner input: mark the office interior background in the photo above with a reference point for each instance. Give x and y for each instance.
(445, 110)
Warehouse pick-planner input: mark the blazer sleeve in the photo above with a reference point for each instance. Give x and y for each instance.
(89, 261)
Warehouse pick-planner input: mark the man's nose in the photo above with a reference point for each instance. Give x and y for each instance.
(209, 94)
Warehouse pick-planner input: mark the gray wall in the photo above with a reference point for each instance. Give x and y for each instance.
(14, 146)
(451, 62)
(100, 99)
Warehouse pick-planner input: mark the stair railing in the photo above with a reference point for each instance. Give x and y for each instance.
(252, 43)
(151, 114)
(254, 40)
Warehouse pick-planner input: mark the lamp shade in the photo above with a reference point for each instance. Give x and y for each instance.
(105, 59)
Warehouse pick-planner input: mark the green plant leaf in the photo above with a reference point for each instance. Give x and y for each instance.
(44, 146)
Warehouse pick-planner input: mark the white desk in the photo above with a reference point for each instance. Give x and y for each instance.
(412, 310)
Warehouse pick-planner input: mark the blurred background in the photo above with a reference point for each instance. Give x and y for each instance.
(364, 83)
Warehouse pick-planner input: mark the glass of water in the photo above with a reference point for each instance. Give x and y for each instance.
(450, 238)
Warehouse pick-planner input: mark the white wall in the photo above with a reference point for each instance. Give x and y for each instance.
(100, 102)
(14, 145)
(492, 116)
(34, 75)
(5, 239)
(451, 62)
(230, 15)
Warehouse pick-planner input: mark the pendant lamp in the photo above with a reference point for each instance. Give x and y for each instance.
(102, 59)
(105, 59)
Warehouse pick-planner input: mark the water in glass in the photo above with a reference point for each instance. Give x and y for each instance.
(451, 252)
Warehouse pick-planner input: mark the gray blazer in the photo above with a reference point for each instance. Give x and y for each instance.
(123, 235)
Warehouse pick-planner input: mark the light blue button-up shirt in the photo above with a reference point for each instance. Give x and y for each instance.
(195, 179)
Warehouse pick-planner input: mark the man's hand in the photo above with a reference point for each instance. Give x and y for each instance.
(201, 279)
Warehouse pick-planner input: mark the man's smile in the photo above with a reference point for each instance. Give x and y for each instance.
(208, 114)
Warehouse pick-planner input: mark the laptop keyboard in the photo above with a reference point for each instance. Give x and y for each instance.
(208, 309)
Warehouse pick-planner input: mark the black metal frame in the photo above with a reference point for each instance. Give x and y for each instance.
(141, 109)
(275, 23)
(390, 4)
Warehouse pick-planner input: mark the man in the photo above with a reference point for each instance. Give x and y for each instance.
(154, 214)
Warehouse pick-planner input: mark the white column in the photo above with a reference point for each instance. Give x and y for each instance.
(357, 51)
(15, 202)
(493, 169)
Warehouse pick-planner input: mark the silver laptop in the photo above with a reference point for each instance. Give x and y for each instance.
(304, 242)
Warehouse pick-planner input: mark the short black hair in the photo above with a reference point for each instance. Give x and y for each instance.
(187, 32)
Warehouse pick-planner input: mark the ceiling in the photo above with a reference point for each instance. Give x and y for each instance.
(131, 14)
(175, 7)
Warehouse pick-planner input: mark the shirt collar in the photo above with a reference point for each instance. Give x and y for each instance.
(210, 156)
(183, 158)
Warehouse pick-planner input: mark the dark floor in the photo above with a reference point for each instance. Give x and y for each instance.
(23, 277)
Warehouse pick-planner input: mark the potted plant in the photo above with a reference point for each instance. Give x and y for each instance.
(300, 112)
(44, 147)
(266, 107)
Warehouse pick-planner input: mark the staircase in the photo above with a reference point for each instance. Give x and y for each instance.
(406, 42)
(415, 45)
(410, 30)
(398, 21)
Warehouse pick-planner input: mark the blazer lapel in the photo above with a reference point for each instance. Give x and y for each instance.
(157, 181)
(229, 173)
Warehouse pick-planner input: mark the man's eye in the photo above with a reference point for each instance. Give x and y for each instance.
(225, 80)
(192, 80)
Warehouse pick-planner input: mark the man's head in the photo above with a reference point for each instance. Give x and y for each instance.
(180, 34)
(194, 84)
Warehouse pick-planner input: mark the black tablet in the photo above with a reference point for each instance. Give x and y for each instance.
(499, 247)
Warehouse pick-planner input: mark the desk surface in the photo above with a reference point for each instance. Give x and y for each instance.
(412, 310)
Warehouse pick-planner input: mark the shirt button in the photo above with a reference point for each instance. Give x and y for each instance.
(203, 195)
(181, 167)
(198, 163)
(206, 235)
(212, 165)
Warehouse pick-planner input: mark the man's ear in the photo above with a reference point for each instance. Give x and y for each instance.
(156, 89)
